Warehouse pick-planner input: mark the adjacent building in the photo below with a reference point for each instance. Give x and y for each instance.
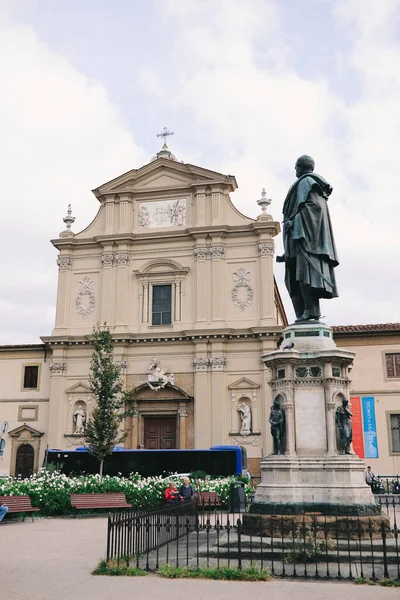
(375, 393)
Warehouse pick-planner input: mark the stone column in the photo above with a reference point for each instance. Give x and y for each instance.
(219, 428)
(218, 296)
(125, 214)
(57, 403)
(63, 293)
(134, 431)
(200, 200)
(107, 260)
(202, 424)
(177, 316)
(234, 419)
(183, 414)
(216, 207)
(122, 260)
(109, 207)
(330, 420)
(266, 278)
(290, 424)
(119, 354)
(145, 308)
(201, 286)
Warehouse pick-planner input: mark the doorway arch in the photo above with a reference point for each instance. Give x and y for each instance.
(24, 461)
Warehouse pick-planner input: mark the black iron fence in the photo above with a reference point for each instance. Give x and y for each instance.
(386, 484)
(307, 546)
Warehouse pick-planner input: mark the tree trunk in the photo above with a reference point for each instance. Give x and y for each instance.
(101, 467)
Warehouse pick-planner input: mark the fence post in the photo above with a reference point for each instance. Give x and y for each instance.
(108, 537)
(239, 534)
(385, 561)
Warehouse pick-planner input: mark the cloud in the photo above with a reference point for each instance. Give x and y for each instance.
(259, 113)
(61, 137)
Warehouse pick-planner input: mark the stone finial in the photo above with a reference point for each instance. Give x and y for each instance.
(68, 220)
(264, 202)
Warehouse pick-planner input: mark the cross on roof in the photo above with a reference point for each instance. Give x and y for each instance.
(164, 134)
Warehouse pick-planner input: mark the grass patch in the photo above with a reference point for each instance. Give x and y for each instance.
(220, 573)
(111, 567)
(364, 581)
(389, 582)
(382, 582)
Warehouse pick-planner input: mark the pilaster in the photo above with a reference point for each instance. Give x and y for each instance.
(57, 404)
(202, 407)
(125, 214)
(122, 261)
(218, 393)
(64, 263)
(217, 274)
(107, 260)
(200, 253)
(200, 200)
(266, 250)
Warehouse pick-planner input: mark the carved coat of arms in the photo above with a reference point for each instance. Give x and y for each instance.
(157, 378)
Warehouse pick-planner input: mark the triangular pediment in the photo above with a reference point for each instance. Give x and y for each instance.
(169, 392)
(243, 384)
(78, 388)
(164, 174)
(29, 432)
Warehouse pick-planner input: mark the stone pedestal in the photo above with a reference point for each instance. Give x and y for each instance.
(310, 378)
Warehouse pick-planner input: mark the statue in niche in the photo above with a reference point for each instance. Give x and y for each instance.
(310, 253)
(344, 426)
(245, 417)
(79, 420)
(277, 421)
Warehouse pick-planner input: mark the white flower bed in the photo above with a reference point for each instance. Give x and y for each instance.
(50, 491)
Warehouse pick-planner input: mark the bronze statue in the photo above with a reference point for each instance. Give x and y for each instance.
(277, 420)
(343, 423)
(310, 254)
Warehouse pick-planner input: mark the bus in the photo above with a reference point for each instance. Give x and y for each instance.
(215, 461)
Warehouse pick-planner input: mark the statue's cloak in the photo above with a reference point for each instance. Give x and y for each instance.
(310, 252)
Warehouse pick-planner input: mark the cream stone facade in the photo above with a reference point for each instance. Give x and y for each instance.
(181, 277)
(376, 375)
(24, 407)
(185, 281)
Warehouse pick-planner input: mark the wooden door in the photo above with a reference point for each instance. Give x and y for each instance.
(160, 434)
(24, 462)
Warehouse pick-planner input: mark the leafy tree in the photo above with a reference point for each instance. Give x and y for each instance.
(102, 431)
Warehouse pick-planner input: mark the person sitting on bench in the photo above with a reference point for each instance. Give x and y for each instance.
(171, 494)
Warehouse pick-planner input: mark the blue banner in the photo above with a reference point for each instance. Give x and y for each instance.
(369, 422)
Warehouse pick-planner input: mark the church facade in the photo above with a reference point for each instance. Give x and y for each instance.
(185, 282)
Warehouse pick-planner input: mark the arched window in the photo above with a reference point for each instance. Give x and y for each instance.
(24, 461)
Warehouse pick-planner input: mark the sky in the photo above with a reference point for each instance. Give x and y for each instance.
(247, 87)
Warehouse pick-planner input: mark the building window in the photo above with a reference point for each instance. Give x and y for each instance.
(31, 374)
(395, 432)
(393, 365)
(162, 305)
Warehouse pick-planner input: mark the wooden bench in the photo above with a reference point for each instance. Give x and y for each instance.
(207, 499)
(108, 500)
(18, 504)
